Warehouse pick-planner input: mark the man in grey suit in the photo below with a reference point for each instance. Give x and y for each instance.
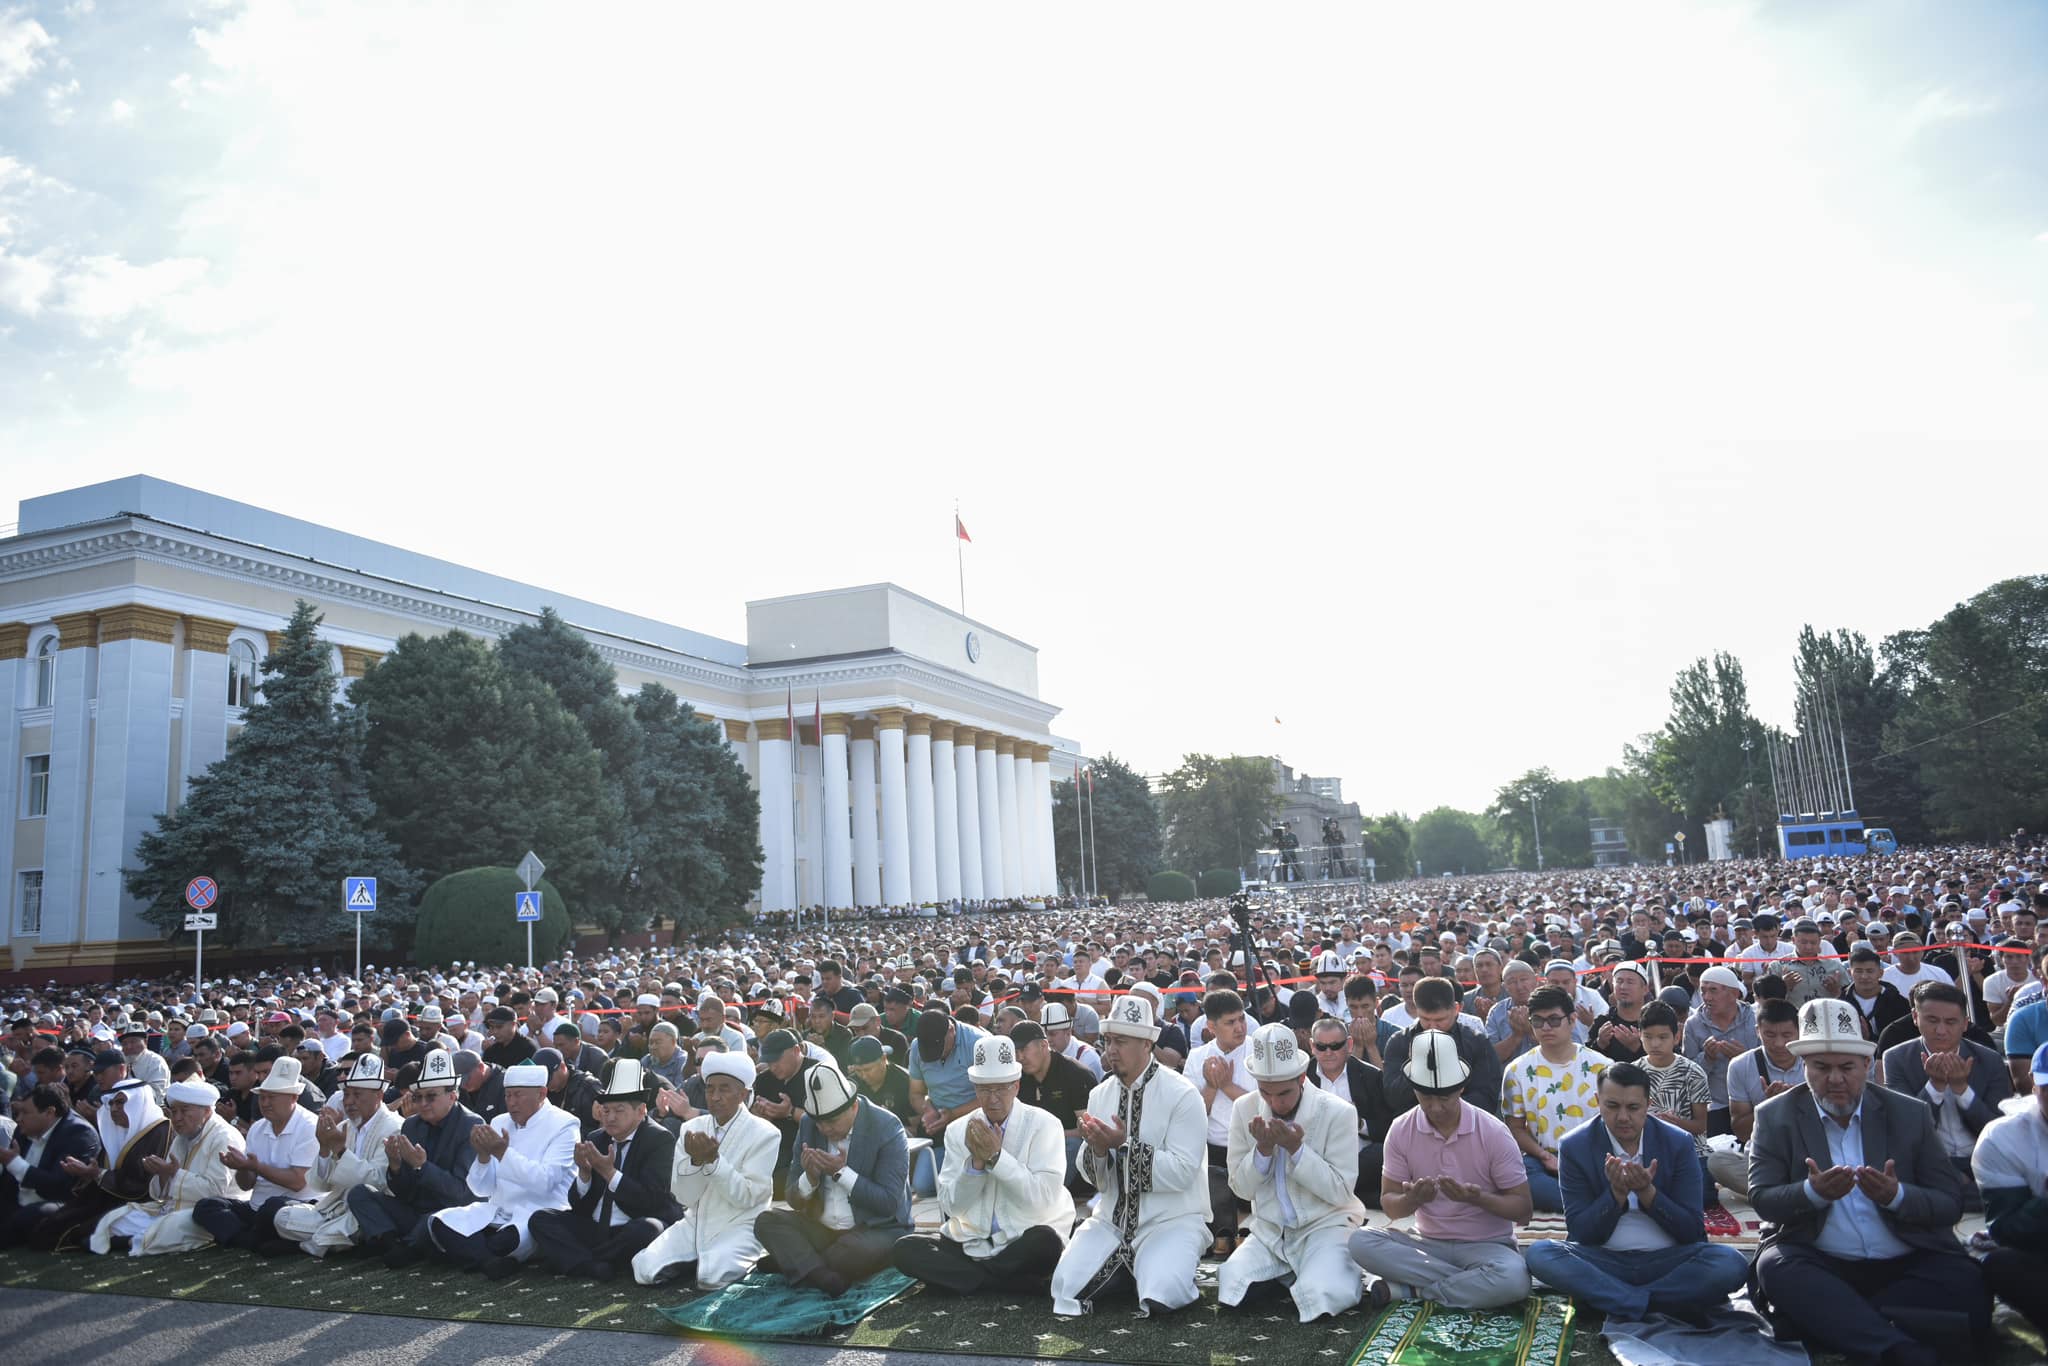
(1961, 1081)
(1859, 1201)
(849, 1189)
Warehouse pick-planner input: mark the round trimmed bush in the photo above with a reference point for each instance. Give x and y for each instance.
(1217, 881)
(469, 916)
(1169, 886)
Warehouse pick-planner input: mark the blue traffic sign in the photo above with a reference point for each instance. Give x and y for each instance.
(201, 892)
(527, 905)
(359, 894)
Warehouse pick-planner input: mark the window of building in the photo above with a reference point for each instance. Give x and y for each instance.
(242, 664)
(35, 785)
(46, 671)
(29, 903)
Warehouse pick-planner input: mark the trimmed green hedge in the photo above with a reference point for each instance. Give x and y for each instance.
(1169, 886)
(468, 916)
(1217, 881)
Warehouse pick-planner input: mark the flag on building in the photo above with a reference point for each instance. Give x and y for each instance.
(960, 529)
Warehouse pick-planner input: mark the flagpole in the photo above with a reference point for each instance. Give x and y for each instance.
(959, 557)
(796, 893)
(1094, 845)
(1080, 841)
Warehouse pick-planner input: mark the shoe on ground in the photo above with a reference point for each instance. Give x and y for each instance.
(499, 1268)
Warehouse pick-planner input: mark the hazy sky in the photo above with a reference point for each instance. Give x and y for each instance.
(1439, 379)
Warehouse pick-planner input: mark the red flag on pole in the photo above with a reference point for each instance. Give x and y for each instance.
(960, 529)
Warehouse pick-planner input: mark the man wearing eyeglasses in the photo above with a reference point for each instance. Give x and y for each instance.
(1357, 1083)
(1549, 1091)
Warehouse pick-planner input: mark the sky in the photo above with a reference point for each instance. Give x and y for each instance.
(1407, 390)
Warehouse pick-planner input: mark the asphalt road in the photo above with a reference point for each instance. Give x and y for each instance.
(41, 1326)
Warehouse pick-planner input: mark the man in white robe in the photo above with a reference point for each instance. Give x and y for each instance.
(190, 1171)
(724, 1177)
(1293, 1154)
(525, 1160)
(351, 1154)
(1144, 1146)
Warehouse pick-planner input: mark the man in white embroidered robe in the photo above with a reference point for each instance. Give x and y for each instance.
(351, 1154)
(724, 1177)
(190, 1171)
(525, 1160)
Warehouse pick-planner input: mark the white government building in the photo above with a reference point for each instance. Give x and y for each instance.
(134, 614)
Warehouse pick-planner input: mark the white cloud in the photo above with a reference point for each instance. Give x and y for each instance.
(22, 43)
(100, 289)
(120, 111)
(26, 282)
(1942, 105)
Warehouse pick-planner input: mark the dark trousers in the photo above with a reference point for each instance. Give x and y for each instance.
(1372, 1159)
(1719, 1122)
(472, 1249)
(577, 1245)
(381, 1216)
(237, 1223)
(1023, 1267)
(2021, 1280)
(1223, 1201)
(1864, 1308)
(805, 1251)
(33, 1225)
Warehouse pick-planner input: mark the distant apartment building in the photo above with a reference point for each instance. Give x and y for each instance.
(1610, 843)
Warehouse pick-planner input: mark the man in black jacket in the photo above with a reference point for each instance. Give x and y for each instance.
(430, 1157)
(34, 1187)
(1436, 1007)
(482, 1085)
(620, 1200)
(569, 1089)
(1349, 1079)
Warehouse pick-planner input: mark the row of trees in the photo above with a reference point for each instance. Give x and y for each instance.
(454, 753)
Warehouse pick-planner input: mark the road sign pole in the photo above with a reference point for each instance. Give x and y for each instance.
(199, 965)
(526, 872)
(359, 948)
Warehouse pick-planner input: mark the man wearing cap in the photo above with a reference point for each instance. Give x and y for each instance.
(273, 1166)
(848, 1185)
(586, 1058)
(143, 1064)
(722, 1175)
(1807, 975)
(619, 1201)
(864, 1021)
(525, 1160)
(1293, 1153)
(190, 1170)
(1458, 1170)
(1437, 1008)
(880, 1080)
(779, 1090)
(2011, 1165)
(939, 1058)
(1860, 1201)
(1002, 1191)
(481, 1085)
(573, 1092)
(1144, 1149)
(351, 1142)
(508, 1047)
(1721, 1030)
(427, 1169)
(1909, 967)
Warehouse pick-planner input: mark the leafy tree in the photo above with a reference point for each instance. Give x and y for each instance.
(471, 764)
(1447, 840)
(1217, 810)
(1841, 666)
(468, 916)
(281, 819)
(1124, 849)
(1698, 762)
(1386, 843)
(695, 818)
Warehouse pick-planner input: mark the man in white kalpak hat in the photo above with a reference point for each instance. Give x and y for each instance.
(351, 1154)
(1002, 1191)
(190, 1171)
(525, 1160)
(274, 1166)
(723, 1176)
(1144, 1147)
(1294, 1155)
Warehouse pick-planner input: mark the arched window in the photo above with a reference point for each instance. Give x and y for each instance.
(46, 671)
(241, 673)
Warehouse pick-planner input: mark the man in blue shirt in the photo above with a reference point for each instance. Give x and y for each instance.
(940, 1088)
(1638, 1243)
(2027, 1029)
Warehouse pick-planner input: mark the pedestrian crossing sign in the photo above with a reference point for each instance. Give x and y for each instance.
(359, 894)
(527, 905)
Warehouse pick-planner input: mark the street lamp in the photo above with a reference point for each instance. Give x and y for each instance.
(1535, 799)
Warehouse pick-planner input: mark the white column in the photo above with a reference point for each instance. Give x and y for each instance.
(1041, 785)
(924, 859)
(945, 812)
(838, 836)
(1006, 815)
(778, 863)
(810, 851)
(13, 664)
(867, 858)
(1027, 822)
(895, 807)
(131, 762)
(70, 780)
(969, 811)
(203, 736)
(991, 816)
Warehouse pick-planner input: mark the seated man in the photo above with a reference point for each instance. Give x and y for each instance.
(2012, 1171)
(880, 1080)
(525, 1159)
(427, 1167)
(723, 1176)
(1055, 1084)
(1293, 1153)
(620, 1201)
(1357, 1084)
(1144, 1137)
(190, 1171)
(1857, 1258)
(351, 1146)
(1458, 1171)
(272, 1167)
(1962, 1081)
(1638, 1244)
(849, 1189)
(36, 1186)
(1002, 1190)
(1549, 1091)
(1770, 1069)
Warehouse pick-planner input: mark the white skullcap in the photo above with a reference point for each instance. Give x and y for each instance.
(735, 1065)
(191, 1093)
(1718, 976)
(526, 1074)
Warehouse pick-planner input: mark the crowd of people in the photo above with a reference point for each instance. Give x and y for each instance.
(1356, 1096)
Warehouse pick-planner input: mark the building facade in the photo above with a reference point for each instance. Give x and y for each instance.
(901, 752)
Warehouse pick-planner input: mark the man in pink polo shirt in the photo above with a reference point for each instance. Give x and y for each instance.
(1458, 1170)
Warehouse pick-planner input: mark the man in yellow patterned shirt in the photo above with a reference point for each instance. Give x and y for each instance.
(1549, 1091)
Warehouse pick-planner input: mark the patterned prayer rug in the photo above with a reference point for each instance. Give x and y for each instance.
(1537, 1332)
(768, 1306)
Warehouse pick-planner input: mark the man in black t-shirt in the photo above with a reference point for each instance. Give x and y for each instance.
(508, 1047)
(832, 983)
(1054, 1083)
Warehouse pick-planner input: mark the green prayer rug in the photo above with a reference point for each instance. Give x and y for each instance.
(763, 1305)
(1538, 1332)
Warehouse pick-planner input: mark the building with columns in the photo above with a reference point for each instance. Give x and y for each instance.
(901, 751)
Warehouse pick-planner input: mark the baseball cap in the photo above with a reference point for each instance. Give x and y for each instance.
(2040, 1065)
